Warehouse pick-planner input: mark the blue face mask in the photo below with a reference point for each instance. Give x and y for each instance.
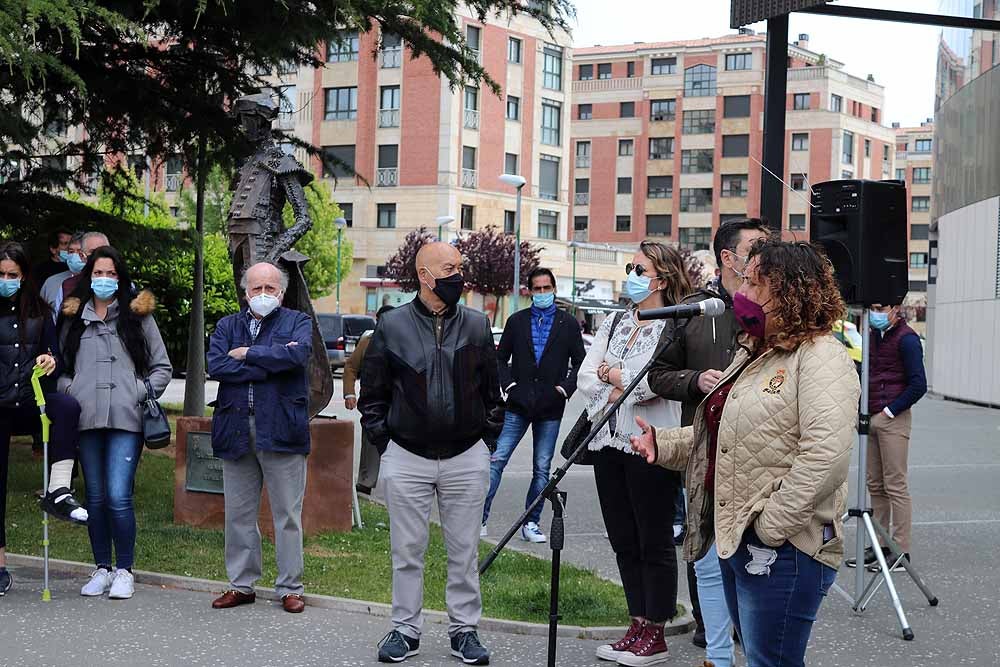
(75, 263)
(879, 321)
(637, 287)
(543, 300)
(64, 255)
(9, 287)
(104, 288)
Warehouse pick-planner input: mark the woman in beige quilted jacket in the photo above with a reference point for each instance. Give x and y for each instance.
(767, 456)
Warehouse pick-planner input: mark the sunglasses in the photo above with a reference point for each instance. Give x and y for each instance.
(638, 268)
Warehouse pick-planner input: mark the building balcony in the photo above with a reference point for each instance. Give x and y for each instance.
(173, 182)
(593, 253)
(581, 199)
(469, 178)
(583, 162)
(833, 74)
(388, 118)
(601, 85)
(659, 194)
(387, 177)
(391, 58)
(471, 119)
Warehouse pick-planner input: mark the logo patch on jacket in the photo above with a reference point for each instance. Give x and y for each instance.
(774, 384)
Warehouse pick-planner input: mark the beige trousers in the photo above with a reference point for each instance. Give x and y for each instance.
(888, 448)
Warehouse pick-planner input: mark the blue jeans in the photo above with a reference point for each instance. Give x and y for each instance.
(109, 459)
(544, 435)
(774, 611)
(714, 610)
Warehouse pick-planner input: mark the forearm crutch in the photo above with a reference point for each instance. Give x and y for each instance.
(36, 386)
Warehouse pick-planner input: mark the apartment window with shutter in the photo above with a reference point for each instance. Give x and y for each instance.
(797, 222)
(624, 185)
(659, 187)
(586, 72)
(510, 163)
(736, 145)
(604, 71)
(584, 111)
(626, 109)
(658, 225)
(548, 225)
(548, 177)
(736, 106)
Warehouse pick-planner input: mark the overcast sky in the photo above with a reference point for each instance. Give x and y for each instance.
(901, 57)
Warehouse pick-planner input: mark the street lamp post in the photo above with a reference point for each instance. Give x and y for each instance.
(442, 222)
(517, 182)
(340, 224)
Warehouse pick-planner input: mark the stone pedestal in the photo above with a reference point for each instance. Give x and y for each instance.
(329, 478)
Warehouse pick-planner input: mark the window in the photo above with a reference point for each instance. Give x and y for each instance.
(552, 67)
(388, 156)
(922, 175)
(347, 212)
(551, 116)
(548, 224)
(514, 50)
(580, 223)
(513, 108)
(343, 47)
(623, 223)
(800, 101)
(800, 141)
(874, 115)
(699, 81)
(657, 225)
(630, 69)
(836, 103)
(624, 185)
(659, 187)
(604, 71)
(695, 238)
(581, 191)
(626, 147)
(341, 103)
(586, 72)
(663, 66)
(798, 181)
(471, 98)
(738, 61)
(583, 154)
(846, 174)
(696, 200)
(736, 145)
(389, 98)
(392, 51)
(662, 109)
(868, 147)
(921, 204)
(548, 177)
(386, 216)
(510, 163)
(848, 148)
(469, 157)
(797, 222)
(735, 185)
(698, 122)
(900, 174)
(584, 111)
(626, 109)
(473, 37)
(918, 260)
(338, 161)
(468, 215)
(736, 106)
(918, 286)
(919, 232)
(885, 154)
(661, 148)
(509, 218)
(698, 161)
(922, 146)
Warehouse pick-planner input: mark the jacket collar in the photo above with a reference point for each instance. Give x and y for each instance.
(422, 308)
(90, 313)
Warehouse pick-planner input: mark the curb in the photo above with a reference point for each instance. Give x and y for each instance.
(681, 625)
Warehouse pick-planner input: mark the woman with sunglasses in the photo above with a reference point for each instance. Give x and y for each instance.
(627, 488)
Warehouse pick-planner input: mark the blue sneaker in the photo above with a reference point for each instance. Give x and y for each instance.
(466, 646)
(6, 581)
(397, 647)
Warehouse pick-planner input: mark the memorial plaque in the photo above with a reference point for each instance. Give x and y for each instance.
(204, 470)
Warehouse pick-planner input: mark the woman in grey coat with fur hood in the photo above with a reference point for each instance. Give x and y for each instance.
(114, 356)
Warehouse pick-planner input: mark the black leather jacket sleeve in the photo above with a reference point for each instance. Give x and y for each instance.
(669, 376)
(376, 392)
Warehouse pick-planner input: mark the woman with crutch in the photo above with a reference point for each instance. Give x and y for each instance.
(27, 338)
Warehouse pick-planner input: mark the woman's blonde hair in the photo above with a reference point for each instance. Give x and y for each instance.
(669, 266)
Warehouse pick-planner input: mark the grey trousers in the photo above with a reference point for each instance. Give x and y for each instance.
(410, 484)
(285, 476)
(369, 464)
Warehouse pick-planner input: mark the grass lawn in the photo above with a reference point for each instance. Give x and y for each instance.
(352, 565)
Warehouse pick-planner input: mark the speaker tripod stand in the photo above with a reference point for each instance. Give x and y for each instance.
(870, 530)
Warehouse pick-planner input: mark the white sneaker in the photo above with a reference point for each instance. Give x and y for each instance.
(100, 582)
(530, 532)
(482, 531)
(123, 586)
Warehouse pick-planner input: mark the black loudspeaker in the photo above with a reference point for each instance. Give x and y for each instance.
(862, 227)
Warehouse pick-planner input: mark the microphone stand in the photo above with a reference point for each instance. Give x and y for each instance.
(558, 497)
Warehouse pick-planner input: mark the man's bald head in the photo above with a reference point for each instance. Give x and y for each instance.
(432, 254)
(264, 278)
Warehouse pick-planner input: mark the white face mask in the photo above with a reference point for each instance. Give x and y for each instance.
(264, 304)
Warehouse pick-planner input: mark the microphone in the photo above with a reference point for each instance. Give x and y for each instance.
(707, 308)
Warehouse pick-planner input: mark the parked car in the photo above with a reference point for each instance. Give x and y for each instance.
(847, 333)
(341, 334)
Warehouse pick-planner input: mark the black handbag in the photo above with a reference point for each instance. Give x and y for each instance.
(155, 427)
(581, 429)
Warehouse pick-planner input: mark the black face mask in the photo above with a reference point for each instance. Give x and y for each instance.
(449, 289)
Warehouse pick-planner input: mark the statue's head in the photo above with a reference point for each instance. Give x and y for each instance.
(255, 113)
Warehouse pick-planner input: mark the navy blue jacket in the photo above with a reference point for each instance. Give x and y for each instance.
(280, 380)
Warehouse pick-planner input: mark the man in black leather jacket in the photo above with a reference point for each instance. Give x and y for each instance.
(430, 396)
